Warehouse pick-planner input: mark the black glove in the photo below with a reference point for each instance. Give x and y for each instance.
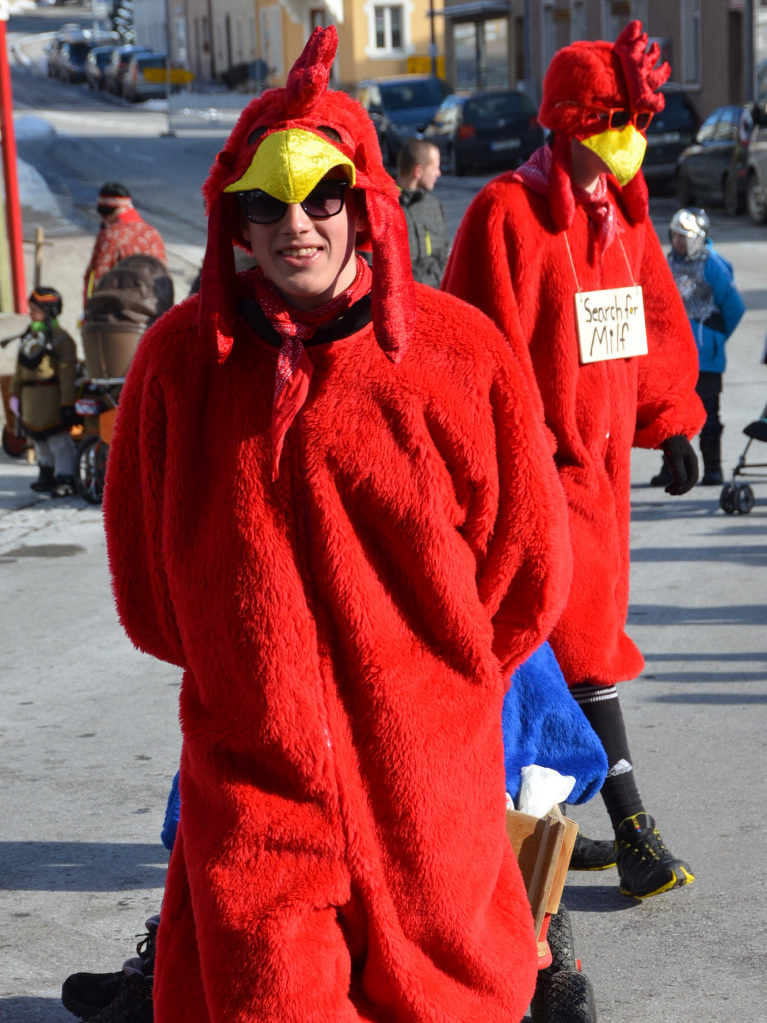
(683, 463)
(67, 416)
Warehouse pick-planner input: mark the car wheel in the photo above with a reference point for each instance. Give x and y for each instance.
(454, 163)
(755, 201)
(683, 190)
(733, 202)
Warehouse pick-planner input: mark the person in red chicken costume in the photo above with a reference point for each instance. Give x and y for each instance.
(343, 522)
(574, 219)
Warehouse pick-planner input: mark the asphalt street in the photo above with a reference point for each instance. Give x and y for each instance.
(89, 734)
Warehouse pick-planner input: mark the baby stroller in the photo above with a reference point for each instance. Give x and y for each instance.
(125, 302)
(739, 497)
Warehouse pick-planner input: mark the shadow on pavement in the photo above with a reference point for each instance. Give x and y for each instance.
(597, 898)
(665, 614)
(81, 866)
(714, 699)
(33, 1010)
(749, 555)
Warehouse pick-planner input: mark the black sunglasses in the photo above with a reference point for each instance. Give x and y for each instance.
(326, 200)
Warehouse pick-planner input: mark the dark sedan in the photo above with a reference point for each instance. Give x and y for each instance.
(669, 134)
(715, 167)
(485, 129)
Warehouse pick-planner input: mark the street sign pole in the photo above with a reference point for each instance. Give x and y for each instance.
(10, 176)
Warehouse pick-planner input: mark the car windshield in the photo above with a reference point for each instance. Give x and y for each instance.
(156, 61)
(429, 92)
(677, 113)
(78, 52)
(494, 108)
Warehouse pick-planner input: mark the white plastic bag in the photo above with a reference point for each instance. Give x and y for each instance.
(541, 788)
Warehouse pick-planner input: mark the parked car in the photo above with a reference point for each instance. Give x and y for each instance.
(66, 34)
(670, 132)
(715, 166)
(96, 65)
(485, 129)
(118, 65)
(72, 58)
(145, 77)
(401, 107)
(756, 169)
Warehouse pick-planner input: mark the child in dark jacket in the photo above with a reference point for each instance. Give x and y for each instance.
(714, 307)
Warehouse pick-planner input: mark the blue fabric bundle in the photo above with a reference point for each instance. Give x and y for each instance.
(542, 724)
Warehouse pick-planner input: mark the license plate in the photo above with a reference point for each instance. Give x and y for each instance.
(665, 136)
(505, 144)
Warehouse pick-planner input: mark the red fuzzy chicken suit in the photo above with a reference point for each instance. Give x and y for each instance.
(346, 620)
(539, 244)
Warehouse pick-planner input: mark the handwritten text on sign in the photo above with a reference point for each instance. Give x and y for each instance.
(610, 324)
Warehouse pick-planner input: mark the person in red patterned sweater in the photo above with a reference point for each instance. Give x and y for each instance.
(122, 233)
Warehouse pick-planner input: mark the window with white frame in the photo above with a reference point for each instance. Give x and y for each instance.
(388, 29)
(388, 26)
(691, 56)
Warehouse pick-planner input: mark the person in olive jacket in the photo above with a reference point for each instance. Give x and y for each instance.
(43, 392)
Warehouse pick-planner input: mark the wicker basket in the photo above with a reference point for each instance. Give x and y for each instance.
(110, 347)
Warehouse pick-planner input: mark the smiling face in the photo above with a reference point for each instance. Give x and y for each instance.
(309, 260)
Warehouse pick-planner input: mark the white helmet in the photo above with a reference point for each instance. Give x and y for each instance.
(693, 225)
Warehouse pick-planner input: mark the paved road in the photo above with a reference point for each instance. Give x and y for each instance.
(89, 739)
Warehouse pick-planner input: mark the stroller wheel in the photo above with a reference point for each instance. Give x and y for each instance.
(744, 499)
(91, 468)
(727, 499)
(567, 997)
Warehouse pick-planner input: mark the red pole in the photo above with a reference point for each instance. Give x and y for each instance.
(12, 205)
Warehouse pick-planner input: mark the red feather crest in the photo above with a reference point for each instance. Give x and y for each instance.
(638, 65)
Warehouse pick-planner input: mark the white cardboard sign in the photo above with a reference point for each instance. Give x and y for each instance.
(610, 324)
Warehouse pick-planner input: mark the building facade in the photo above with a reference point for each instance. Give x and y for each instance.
(713, 46)
(212, 37)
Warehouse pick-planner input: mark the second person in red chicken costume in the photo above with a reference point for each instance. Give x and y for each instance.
(574, 219)
(343, 522)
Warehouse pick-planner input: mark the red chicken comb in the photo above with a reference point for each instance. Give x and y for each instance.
(638, 64)
(307, 82)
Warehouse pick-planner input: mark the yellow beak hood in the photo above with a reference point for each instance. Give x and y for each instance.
(622, 151)
(289, 164)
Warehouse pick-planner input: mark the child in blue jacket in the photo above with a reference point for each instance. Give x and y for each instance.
(714, 307)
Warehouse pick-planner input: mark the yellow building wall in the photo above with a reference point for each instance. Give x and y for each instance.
(352, 62)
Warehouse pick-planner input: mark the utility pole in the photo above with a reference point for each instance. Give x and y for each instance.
(433, 43)
(12, 204)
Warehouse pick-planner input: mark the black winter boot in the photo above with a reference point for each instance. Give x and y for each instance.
(133, 1003)
(87, 994)
(711, 452)
(44, 484)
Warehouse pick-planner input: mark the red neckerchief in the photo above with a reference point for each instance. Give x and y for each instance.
(599, 209)
(296, 326)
